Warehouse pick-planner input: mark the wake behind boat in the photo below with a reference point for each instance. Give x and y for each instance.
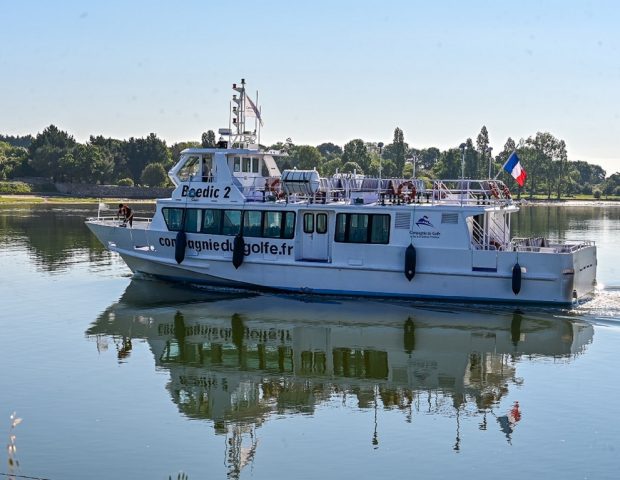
(235, 220)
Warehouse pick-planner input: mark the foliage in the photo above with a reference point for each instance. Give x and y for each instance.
(154, 175)
(329, 150)
(17, 141)
(14, 188)
(356, 152)
(396, 152)
(125, 182)
(208, 139)
(47, 149)
(11, 160)
(307, 157)
(177, 148)
(351, 167)
(143, 151)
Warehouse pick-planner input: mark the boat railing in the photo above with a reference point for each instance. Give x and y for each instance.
(115, 220)
(545, 245)
(471, 192)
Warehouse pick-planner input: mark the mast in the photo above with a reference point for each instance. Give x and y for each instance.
(239, 136)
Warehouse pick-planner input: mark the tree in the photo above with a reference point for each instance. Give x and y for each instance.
(208, 139)
(396, 151)
(177, 148)
(308, 157)
(154, 175)
(484, 152)
(329, 150)
(546, 166)
(12, 160)
(449, 164)
(351, 167)
(46, 150)
(355, 151)
(329, 167)
(117, 151)
(142, 151)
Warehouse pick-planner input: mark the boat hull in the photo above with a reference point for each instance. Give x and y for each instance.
(450, 275)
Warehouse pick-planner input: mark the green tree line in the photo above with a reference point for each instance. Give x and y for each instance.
(56, 155)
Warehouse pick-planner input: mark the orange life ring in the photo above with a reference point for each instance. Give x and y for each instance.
(494, 190)
(410, 188)
(506, 191)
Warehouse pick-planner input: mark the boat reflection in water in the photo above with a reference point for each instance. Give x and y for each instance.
(236, 359)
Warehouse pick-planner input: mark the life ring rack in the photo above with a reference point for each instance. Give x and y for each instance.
(406, 190)
(494, 190)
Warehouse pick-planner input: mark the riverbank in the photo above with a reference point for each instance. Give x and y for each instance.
(36, 199)
(60, 199)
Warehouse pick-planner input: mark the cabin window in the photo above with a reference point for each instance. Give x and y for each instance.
(272, 224)
(192, 220)
(173, 218)
(321, 223)
(211, 221)
(308, 222)
(237, 164)
(189, 168)
(231, 223)
(254, 165)
(247, 164)
(380, 229)
(207, 168)
(362, 228)
(288, 230)
(252, 223)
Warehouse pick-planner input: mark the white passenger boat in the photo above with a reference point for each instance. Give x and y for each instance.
(235, 220)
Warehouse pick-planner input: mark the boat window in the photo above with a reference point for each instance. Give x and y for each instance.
(247, 164)
(272, 225)
(192, 220)
(211, 221)
(254, 165)
(380, 228)
(362, 228)
(231, 224)
(189, 168)
(321, 223)
(173, 218)
(358, 228)
(207, 168)
(252, 223)
(308, 222)
(237, 164)
(289, 225)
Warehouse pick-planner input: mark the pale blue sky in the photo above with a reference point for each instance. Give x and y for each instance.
(326, 70)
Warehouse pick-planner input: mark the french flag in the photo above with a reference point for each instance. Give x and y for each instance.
(514, 168)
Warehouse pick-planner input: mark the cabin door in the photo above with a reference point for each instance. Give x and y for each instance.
(315, 236)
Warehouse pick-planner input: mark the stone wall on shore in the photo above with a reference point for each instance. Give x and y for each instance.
(112, 191)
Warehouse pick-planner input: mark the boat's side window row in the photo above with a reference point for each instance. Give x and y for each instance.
(362, 228)
(214, 221)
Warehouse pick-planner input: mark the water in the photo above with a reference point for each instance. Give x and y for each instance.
(121, 377)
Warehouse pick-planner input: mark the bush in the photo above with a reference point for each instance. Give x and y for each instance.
(125, 182)
(597, 194)
(154, 175)
(13, 188)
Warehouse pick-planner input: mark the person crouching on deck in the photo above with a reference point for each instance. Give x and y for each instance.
(125, 212)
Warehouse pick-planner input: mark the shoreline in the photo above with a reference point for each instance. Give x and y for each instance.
(32, 199)
(25, 199)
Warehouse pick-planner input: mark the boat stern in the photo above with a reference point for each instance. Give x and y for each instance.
(583, 268)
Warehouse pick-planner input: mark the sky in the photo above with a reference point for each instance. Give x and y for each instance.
(326, 71)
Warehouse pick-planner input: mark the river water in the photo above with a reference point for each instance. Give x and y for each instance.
(121, 377)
